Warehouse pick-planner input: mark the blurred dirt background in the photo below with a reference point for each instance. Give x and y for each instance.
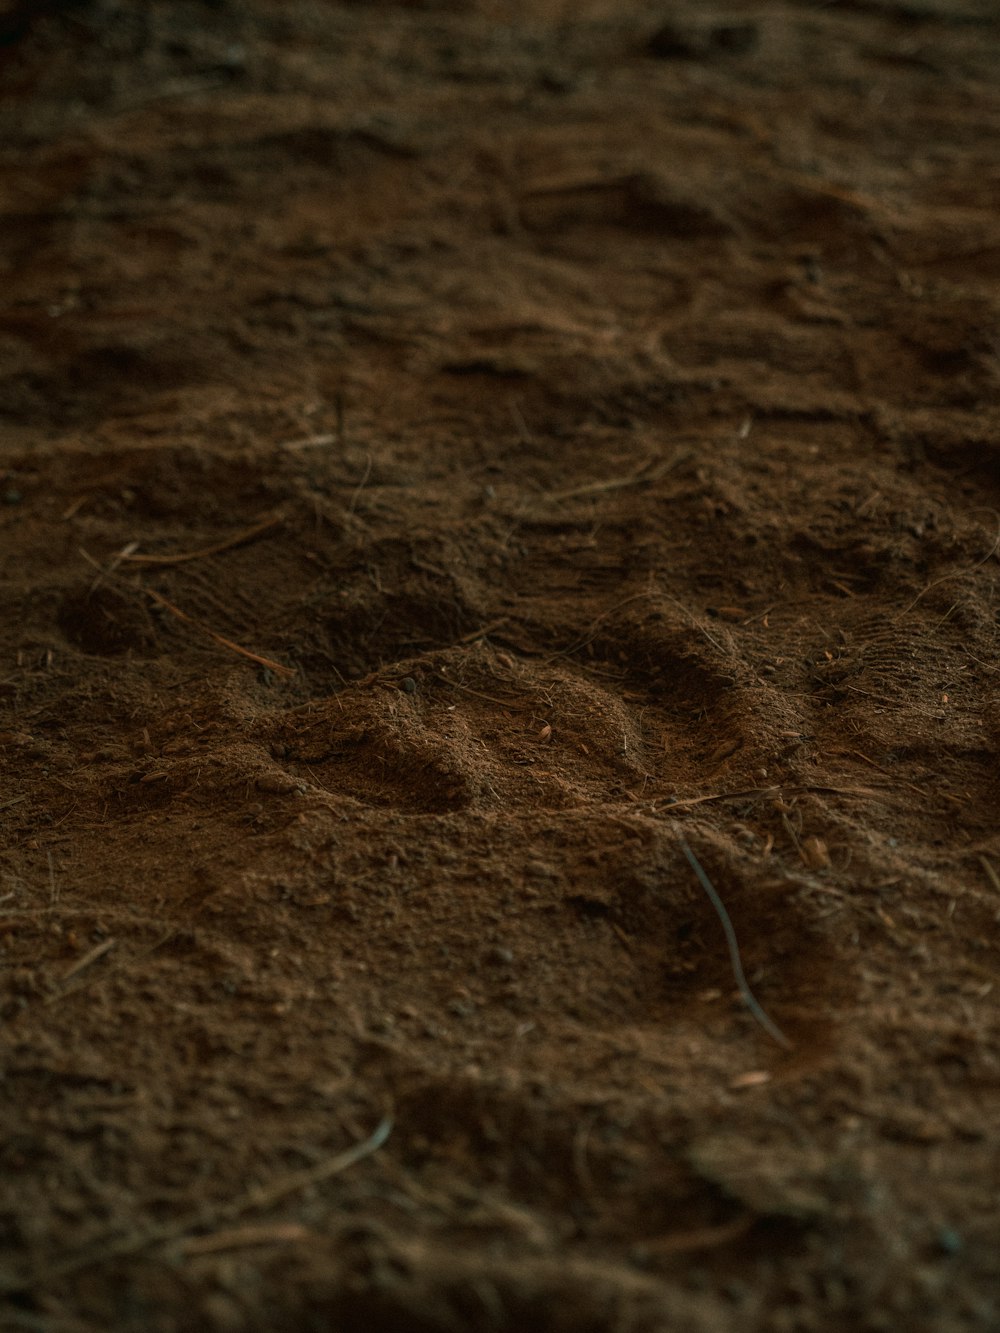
(455, 455)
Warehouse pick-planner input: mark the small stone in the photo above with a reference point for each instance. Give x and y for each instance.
(408, 685)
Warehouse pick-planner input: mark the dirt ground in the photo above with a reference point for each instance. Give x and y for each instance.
(472, 473)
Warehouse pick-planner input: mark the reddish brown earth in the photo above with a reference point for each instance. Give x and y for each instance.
(455, 455)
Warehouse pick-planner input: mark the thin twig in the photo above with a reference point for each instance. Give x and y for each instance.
(259, 1196)
(588, 636)
(310, 442)
(483, 631)
(734, 949)
(958, 574)
(106, 572)
(701, 1238)
(790, 830)
(98, 951)
(490, 698)
(693, 621)
(979, 662)
(267, 662)
(236, 540)
(898, 781)
(361, 485)
(782, 790)
(893, 703)
(723, 796)
(239, 1238)
(638, 596)
(647, 472)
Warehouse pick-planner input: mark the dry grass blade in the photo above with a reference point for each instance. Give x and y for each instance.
(749, 999)
(98, 951)
(105, 572)
(238, 539)
(702, 1238)
(268, 662)
(752, 793)
(260, 1196)
(958, 574)
(490, 698)
(649, 471)
(241, 1238)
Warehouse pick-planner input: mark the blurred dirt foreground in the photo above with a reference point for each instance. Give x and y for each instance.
(499, 520)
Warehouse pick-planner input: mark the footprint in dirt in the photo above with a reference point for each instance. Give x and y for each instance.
(540, 892)
(467, 729)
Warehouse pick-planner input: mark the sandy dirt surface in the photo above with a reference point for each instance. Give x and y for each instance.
(470, 471)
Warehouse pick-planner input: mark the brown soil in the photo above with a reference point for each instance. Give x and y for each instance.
(456, 457)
